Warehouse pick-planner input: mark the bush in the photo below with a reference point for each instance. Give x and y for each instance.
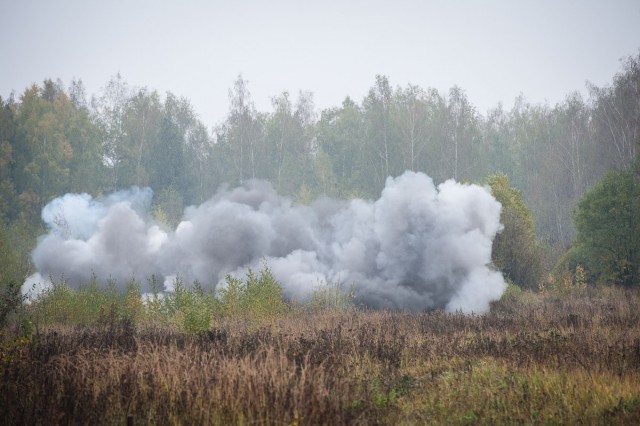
(87, 305)
(565, 281)
(257, 298)
(189, 310)
(608, 224)
(186, 309)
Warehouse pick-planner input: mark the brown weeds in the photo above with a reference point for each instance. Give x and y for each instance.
(532, 359)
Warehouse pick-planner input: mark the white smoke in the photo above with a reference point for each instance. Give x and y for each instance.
(417, 247)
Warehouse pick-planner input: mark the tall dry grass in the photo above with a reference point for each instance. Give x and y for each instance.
(532, 359)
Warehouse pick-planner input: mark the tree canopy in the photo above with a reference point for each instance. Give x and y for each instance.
(608, 224)
(542, 158)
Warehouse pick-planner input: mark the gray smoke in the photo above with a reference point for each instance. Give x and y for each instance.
(417, 247)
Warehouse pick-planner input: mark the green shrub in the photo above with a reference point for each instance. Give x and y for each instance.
(264, 297)
(230, 297)
(87, 305)
(257, 298)
(608, 226)
(187, 309)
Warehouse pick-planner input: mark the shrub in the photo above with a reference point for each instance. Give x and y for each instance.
(608, 226)
(86, 305)
(564, 281)
(230, 297)
(264, 298)
(186, 309)
(257, 298)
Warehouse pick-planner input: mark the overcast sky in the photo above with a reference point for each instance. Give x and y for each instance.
(494, 50)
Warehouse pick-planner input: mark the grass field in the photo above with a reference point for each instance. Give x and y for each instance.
(536, 358)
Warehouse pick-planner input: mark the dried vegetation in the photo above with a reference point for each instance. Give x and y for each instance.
(535, 358)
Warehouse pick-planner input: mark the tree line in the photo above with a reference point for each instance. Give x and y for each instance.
(54, 140)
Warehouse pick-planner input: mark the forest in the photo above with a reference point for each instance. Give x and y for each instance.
(567, 177)
(54, 140)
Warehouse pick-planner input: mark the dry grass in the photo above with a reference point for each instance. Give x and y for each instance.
(533, 359)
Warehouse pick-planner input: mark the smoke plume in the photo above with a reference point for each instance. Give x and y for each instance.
(417, 247)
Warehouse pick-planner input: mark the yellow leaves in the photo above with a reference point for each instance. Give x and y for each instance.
(565, 282)
(11, 349)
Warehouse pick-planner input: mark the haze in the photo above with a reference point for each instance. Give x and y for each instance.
(493, 50)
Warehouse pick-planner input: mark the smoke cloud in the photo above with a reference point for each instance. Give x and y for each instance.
(417, 247)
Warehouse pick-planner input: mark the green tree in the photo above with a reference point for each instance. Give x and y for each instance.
(340, 139)
(608, 225)
(435, 161)
(192, 158)
(515, 250)
(8, 199)
(412, 118)
(306, 147)
(198, 155)
(42, 151)
(240, 136)
(290, 143)
(283, 133)
(87, 166)
(382, 136)
(110, 111)
(168, 206)
(147, 131)
(498, 149)
(166, 164)
(461, 146)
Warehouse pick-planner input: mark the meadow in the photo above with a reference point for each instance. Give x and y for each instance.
(97, 356)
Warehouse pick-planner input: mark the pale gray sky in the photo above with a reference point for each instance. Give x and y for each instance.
(494, 50)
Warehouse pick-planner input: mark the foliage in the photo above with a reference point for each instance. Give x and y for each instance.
(53, 141)
(515, 250)
(340, 138)
(564, 281)
(188, 310)
(9, 279)
(168, 207)
(12, 348)
(88, 305)
(14, 268)
(565, 355)
(608, 225)
(256, 298)
(264, 297)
